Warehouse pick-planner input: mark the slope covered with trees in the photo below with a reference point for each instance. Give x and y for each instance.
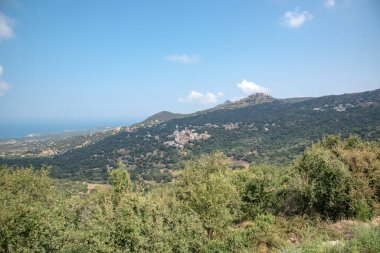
(267, 130)
(209, 208)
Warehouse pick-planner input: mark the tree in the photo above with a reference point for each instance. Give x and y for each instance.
(120, 179)
(32, 213)
(342, 176)
(205, 187)
(328, 182)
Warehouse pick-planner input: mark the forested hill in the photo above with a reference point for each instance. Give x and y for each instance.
(274, 131)
(162, 116)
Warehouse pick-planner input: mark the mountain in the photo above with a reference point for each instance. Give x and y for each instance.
(295, 100)
(257, 129)
(254, 99)
(162, 116)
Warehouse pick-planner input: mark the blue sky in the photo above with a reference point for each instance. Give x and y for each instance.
(87, 60)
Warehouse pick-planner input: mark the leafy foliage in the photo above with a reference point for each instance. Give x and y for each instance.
(120, 179)
(342, 176)
(209, 208)
(205, 186)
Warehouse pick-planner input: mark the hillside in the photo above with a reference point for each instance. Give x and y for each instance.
(328, 201)
(258, 129)
(162, 116)
(254, 99)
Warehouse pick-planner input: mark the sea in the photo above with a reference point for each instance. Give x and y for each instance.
(21, 129)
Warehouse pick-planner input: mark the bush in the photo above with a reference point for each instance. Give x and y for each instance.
(363, 211)
(342, 177)
(31, 211)
(328, 183)
(209, 208)
(206, 187)
(268, 189)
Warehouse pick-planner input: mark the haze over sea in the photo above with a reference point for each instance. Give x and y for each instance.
(19, 129)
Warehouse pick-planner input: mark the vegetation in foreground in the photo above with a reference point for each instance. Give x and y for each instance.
(326, 202)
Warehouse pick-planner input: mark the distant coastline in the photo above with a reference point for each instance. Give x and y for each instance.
(16, 130)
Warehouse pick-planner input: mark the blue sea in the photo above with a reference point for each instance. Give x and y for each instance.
(9, 130)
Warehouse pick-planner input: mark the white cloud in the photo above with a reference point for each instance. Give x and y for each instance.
(250, 87)
(330, 3)
(182, 58)
(4, 87)
(201, 98)
(6, 31)
(296, 18)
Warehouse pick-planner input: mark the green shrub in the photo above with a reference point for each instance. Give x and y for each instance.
(328, 183)
(206, 187)
(363, 211)
(342, 177)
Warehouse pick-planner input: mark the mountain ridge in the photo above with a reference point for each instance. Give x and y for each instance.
(161, 117)
(253, 99)
(270, 132)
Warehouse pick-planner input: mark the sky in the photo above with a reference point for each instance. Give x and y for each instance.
(78, 61)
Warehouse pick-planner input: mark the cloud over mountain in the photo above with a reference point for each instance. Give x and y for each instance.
(250, 87)
(201, 98)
